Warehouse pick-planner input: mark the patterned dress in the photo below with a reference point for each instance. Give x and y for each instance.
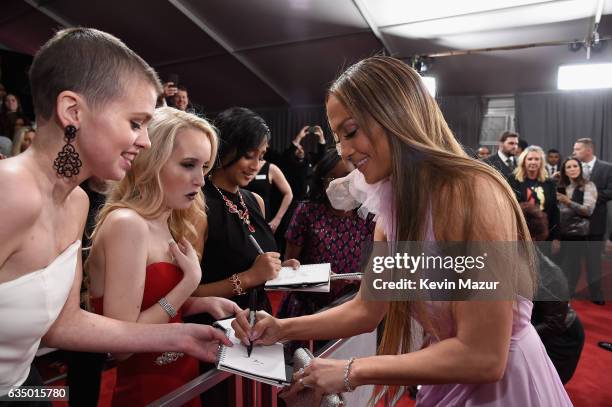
(326, 237)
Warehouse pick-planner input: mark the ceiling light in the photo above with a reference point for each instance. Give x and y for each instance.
(585, 76)
(430, 84)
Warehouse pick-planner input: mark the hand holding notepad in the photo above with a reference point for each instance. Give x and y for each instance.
(308, 277)
(266, 363)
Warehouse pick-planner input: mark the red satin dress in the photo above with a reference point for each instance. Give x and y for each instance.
(140, 380)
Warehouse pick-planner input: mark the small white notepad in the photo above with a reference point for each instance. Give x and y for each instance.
(308, 277)
(266, 363)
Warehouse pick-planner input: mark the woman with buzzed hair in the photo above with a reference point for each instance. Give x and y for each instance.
(93, 97)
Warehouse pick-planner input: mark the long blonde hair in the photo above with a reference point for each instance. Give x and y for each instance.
(424, 154)
(142, 191)
(520, 172)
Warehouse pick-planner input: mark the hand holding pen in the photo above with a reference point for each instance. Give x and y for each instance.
(252, 313)
(253, 297)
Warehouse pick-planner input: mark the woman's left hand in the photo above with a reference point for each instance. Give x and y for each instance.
(219, 308)
(274, 225)
(291, 263)
(324, 376)
(320, 134)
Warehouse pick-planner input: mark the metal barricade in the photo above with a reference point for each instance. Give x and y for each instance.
(211, 378)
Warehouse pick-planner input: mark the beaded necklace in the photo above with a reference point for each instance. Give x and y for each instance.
(243, 213)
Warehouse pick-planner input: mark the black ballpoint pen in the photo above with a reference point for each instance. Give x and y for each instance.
(253, 298)
(252, 311)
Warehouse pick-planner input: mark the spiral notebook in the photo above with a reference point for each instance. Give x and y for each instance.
(266, 363)
(308, 277)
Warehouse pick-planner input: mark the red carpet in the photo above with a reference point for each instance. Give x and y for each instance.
(592, 382)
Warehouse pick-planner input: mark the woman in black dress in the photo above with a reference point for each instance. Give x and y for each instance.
(231, 266)
(531, 184)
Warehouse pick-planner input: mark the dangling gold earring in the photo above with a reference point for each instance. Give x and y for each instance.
(67, 164)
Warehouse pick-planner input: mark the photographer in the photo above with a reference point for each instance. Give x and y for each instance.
(298, 165)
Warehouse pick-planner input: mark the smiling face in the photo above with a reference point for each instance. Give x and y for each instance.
(366, 148)
(572, 169)
(246, 168)
(533, 162)
(182, 175)
(109, 138)
(181, 100)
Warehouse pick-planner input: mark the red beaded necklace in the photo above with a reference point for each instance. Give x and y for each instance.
(243, 213)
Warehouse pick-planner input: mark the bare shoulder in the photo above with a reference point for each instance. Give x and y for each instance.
(495, 195)
(79, 203)
(497, 216)
(124, 224)
(379, 234)
(258, 197)
(259, 200)
(21, 200)
(274, 170)
(480, 208)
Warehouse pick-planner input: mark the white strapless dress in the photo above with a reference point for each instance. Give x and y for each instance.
(28, 307)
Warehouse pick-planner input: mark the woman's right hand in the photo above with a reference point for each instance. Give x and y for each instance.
(265, 267)
(200, 341)
(187, 259)
(266, 331)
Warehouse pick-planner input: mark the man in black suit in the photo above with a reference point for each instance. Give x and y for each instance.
(553, 162)
(504, 161)
(600, 173)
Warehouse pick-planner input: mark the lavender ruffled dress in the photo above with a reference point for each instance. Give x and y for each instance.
(530, 379)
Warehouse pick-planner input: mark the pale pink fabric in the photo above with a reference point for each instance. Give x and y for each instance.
(353, 191)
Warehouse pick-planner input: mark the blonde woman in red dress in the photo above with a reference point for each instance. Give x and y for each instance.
(138, 272)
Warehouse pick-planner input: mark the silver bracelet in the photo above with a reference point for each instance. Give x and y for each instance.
(347, 370)
(163, 302)
(168, 357)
